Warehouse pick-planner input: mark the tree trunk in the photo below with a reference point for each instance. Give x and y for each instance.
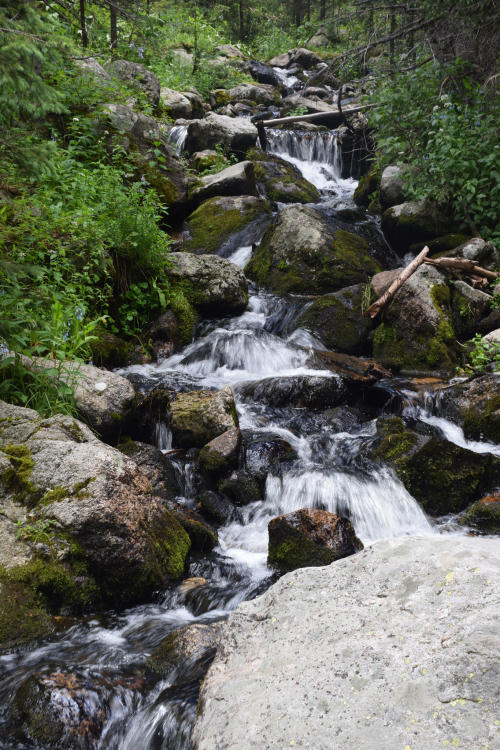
(83, 25)
(113, 27)
(242, 18)
(392, 42)
(322, 10)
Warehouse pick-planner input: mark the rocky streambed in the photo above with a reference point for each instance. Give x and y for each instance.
(122, 560)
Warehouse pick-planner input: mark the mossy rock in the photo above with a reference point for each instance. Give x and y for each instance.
(217, 219)
(281, 180)
(194, 643)
(484, 515)
(203, 537)
(475, 404)
(111, 351)
(302, 254)
(22, 618)
(367, 186)
(413, 222)
(338, 321)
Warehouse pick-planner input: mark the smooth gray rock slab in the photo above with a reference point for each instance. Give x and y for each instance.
(395, 648)
(235, 133)
(238, 179)
(217, 285)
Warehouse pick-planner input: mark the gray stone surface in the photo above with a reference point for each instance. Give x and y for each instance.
(175, 104)
(235, 133)
(217, 286)
(395, 648)
(391, 187)
(238, 179)
(138, 77)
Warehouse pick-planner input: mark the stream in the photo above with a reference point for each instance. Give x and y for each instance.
(101, 659)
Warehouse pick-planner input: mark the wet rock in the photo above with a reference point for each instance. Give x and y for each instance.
(354, 370)
(220, 220)
(263, 73)
(443, 477)
(475, 406)
(411, 222)
(484, 515)
(301, 253)
(469, 306)
(166, 332)
(281, 180)
(265, 454)
(137, 77)
(417, 330)
(338, 321)
(155, 465)
(241, 488)
(214, 285)
(238, 179)
(367, 185)
(311, 391)
(191, 584)
(203, 537)
(247, 92)
(141, 137)
(220, 455)
(392, 192)
(200, 416)
(188, 650)
(310, 537)
(308, 660)
(106, 537)
(202, 160)
(234, 133)
(484, 253)
(218, 508)
(22, 618)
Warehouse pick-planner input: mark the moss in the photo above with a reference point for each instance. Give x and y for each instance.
(367, 185)
(484, 515)
(75, 431)
(164, 656)
(482, 423)
(220, 98)
(17, 477)
(54, 496)
(338, 321)
(181, 303)
(110, 351)
(298, 552)
(397, 441)
(22, 618)
(217, 219)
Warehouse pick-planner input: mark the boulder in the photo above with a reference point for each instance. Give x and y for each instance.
(484, 253)
(206, 159)
(443, 477)
(304, 57)
(302, 253)
(236, 134)
(493, 336)
(245, 92)
(263, 73)
(392, 191)
(155, 465)
(381, 282)
(280, 61)
(312, 391)
(195, 644)
(265, 454)
(93, 67)
(105, 537)
(367, 185)
(396, 646)
(219, 221)
(217, 508)
(203, 537)
(142, 137)
(137, 77)
(337, 320)
(469, 306)
(475, 406)
(484, 515)
(214, 285)
(318, 40)
(199, 416)
(281, 181)
(238, 179)
(310, 537)
(417, 330)
(110, 351)
(175, 104)
(220, 455)
(241, 488)
(230, 51)
(412, 222)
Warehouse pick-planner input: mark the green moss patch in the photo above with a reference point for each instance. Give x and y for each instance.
(218, 218)
(22, 618)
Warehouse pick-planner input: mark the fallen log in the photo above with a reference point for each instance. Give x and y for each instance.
(374, 309)
(462, 264)
(357, 369)
(333, 116)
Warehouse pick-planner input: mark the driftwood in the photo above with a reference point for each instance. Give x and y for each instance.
(398, 282)
(462, 264)
(331, 117)
(356, 369)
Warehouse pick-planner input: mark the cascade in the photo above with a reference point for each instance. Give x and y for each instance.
(177, 138)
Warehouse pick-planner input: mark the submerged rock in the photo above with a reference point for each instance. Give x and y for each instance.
(310, 537)
(282, 181)
(265, 454)
(484, 515)
(188, 651)
(200, 416)
(382, 634)
(218, 508)
(241, 488)
(475, 405)
(301, 253)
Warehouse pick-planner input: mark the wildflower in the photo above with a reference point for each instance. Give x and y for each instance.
(140, 52)
(79, 313)
(132, 45)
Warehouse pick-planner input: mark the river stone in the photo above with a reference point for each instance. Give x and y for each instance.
(265, 453)
(417, 331)
(469, 306)
(155, 465)
(395, 647)
(107, 530)
(220, 220)
(280, 61)
(220, 455)
(484, 253)
(442, 476)
(241, 488)
(411, 222)
(484, 514)
(218, 508)
(199, 416)
(313, 391)
(475, 405)
(301, 253)
(192, 643)
(392, 186)
(138, 77)
(281, 180)
(203, 536)
(381, 282)
(310, 537)
(263, 73)
(236, 134)
(245, 92)
(175, 105)
(141, 136)
(338, 321)
(214, 285)
(202, 160)
(238, 179)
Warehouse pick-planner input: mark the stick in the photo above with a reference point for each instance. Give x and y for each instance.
(462, 264)
(375, 308)
(333, 114)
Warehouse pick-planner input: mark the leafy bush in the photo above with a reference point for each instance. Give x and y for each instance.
(484, 355)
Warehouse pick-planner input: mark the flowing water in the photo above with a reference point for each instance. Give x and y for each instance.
(257, 354)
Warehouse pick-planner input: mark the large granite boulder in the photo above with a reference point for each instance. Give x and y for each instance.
(238, 179)
(93, 531)
(214, 285)
(181, 104)
(392, 191)
(416, 331)
(142, 137)
(197, 417)
(302, 253)
(137, 77)
(234, 133)
(245, 92)
(484, 253)
(310, 537)
(394, 647)
(469, 307)
(413, 221)
(475, 405)
(337, 320)
(281, 180)
(221, 220)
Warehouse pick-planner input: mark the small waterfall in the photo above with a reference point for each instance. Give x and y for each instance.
(177, 138)
(163, 436)
(288, 80)
(307, 147)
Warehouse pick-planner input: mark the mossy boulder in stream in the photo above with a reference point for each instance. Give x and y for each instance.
(484, 515)
(281, 180)
(200, 416)
(302, 253)
(443, 477)
(216, 220)
(475, 405)
(193, 646)
(414, 221)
